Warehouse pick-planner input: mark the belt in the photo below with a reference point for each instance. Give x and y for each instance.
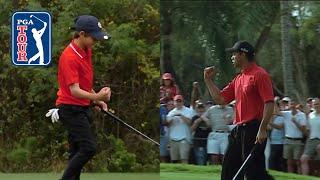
(248, 123)
(297, 139)
(74, 107)
(220, 131)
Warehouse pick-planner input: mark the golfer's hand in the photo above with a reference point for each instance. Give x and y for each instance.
(101, 105)
(209, 72)
(261, 136)
(104, 94)
(54, 115)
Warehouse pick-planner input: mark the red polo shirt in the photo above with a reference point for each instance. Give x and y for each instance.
(251, 89)
(74, 67)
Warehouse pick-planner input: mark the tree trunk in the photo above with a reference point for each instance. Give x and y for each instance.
(287, 67)
(166, 32)
(264, 34)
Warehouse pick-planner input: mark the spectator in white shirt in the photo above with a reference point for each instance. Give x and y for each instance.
(295, 129)
(218, 117)
(179, 121)
(312, 147)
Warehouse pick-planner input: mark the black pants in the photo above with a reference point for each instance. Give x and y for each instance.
(241, 141)
(275, 159)
(82, 145)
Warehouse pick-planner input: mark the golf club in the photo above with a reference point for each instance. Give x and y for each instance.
(36, 18)
(130, 127)
(245, 162)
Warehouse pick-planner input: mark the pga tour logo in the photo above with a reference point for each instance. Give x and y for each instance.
(31, 38)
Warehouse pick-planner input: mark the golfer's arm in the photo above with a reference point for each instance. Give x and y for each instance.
(43, 29)
(267, 114)
(95, 101)
(214, 92)
(77, 92)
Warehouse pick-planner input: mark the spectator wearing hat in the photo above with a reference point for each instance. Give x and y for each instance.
(284, 104)
(168, 88)
(295, 129)
(218, 117)
(209, 104)
(309, 106)
(312, 148)
(201, 132)
(179, 122)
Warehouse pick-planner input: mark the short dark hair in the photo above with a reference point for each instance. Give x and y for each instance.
(250, 57)
(77, 35)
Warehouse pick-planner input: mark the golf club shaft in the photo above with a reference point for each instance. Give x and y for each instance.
(130, 127)
(245, 162)
(37, 18)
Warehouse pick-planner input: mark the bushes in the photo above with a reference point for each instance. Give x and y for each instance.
(117, 158)
(128, 63)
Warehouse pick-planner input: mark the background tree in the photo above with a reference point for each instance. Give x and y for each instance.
(202, 30)
(128, 63)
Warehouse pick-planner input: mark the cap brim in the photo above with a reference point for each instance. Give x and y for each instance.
(100, 35)
(231, 49)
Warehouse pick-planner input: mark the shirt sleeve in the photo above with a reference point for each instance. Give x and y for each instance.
(170, 116)
(265, 87)
(303, 119)
(189, 113)
(228, 92)
(279, 120)
(70, 71)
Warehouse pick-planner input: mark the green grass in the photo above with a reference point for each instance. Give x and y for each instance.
(85, 176)
(192, 172)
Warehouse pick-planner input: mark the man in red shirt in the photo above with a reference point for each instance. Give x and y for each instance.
(75, 78)
(253, 93)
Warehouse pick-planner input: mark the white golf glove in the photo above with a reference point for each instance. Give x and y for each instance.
(54, 115)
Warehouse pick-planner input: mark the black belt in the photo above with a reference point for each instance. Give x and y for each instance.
(297, 139)
(74, 107)
(254, 121)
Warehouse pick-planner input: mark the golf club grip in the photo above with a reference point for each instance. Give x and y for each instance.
(130, 127)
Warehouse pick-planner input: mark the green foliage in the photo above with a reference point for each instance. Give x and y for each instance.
(116, 156)
(128, 63)
(19, 156)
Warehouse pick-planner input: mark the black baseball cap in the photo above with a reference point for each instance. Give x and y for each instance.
(90, 25)
(242, 46)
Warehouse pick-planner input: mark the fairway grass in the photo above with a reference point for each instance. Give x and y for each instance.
(192, 172)
(84, 176)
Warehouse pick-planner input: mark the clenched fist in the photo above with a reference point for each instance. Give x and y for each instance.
(209, 72)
